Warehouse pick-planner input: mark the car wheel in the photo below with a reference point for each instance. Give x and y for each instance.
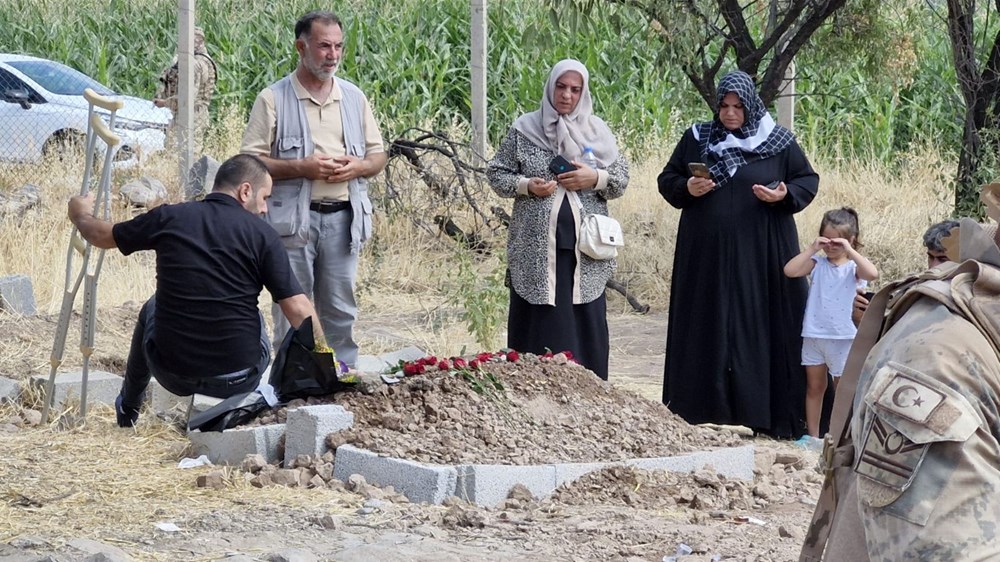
(65, 144)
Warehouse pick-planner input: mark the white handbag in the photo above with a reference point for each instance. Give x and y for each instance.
(600, 237)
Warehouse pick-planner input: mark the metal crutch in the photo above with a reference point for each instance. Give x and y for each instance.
(89, 271)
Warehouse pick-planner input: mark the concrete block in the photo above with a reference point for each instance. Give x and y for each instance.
(370, 364)
(232, 445)
(488, 484)
(102, 387)
(422, 483)
(308, 426)
(16, 295)
(570, 472)
(409, 353)
(10, 390)
(163, 402)
(735, 462)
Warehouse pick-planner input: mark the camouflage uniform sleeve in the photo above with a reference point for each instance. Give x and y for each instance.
(926, 439)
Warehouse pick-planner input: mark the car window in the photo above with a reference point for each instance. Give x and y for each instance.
(59, 78)
(10, 82)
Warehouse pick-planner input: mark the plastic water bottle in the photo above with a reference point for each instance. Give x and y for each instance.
(589, 158)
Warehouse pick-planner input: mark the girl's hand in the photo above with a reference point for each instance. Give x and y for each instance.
(541, 188)
(842, 243)
(820, 243)
(768, 195)
(700, 186)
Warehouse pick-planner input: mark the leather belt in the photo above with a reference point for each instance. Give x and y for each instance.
(329, 206)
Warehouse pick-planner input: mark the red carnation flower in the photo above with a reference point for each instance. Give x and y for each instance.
(484, 357)
(513, 356)
(459, 362)
(569, 355)
(474, 364)
(411, 369)
(443, 365)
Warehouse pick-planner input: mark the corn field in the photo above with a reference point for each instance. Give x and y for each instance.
(411, 58)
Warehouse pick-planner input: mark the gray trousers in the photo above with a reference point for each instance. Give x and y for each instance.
(327, 271)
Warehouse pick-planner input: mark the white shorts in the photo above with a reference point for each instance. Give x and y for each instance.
(824, 351)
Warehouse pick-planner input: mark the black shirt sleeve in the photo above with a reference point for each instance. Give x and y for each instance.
(139, 233)
(277, 272)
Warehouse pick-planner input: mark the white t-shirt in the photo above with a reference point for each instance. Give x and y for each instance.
(831, 298)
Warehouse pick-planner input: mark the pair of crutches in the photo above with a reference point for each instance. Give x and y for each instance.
(93, 258)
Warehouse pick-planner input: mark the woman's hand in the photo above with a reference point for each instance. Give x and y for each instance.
(541, 188)
(583, 177)
(700, 186)
(768, 195)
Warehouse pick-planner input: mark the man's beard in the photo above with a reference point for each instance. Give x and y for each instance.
(319, 71)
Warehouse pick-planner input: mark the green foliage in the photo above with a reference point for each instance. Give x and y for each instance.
(483, 298)
(872, 83)
(411, 57)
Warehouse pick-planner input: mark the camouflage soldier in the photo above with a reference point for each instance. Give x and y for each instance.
(205, 75)
(926, 428)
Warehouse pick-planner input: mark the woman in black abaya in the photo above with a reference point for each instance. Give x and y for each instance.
(733, 345)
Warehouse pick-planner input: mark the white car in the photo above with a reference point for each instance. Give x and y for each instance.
(42, 110)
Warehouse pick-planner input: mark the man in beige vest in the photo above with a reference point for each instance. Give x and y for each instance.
(319, 138)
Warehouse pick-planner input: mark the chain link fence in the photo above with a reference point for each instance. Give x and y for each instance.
(43, 120)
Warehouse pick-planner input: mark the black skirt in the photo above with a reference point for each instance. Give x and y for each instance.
(580, 328)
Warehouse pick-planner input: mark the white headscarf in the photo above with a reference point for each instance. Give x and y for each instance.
(569, 134)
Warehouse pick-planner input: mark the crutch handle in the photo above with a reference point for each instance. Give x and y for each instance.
(103, 131)
(100, 101)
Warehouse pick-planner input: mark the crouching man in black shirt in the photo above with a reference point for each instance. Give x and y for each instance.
(202, 331)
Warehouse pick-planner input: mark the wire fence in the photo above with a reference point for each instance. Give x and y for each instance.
(43, 118)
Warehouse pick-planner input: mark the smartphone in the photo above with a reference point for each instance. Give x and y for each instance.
(869, 296)
(699, 170)
(773, 184)
(560, 165)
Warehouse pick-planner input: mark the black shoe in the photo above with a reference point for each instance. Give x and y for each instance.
(126, 415)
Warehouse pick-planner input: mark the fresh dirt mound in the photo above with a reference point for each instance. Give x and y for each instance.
(529, 412)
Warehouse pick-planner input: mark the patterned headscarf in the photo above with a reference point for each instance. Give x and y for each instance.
(725, 151)
(569, 134)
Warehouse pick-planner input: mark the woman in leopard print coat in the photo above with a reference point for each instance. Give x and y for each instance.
(557, 293)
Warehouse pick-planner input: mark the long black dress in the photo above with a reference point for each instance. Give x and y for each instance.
(735, 320)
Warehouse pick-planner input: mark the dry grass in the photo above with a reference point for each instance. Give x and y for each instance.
(405, 269)
(105, 483)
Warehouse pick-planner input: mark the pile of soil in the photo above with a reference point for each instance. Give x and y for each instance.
(532, 411)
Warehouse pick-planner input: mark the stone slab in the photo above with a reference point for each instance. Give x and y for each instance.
(307, 427)
(570, 472)
(102, 387)
(10, 390)
(735, 462)
(409, 353)
(16, 295)
(370, 364)
(233, 445)
(420, 483)
(201, 178)
(489, 484)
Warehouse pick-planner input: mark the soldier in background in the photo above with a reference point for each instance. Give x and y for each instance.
(205, 75)
(926, 430)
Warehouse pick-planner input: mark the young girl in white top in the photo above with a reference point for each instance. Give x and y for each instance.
(827, 329)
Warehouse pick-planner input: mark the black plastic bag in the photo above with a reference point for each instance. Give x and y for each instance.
(299, 371)
(231, 412)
